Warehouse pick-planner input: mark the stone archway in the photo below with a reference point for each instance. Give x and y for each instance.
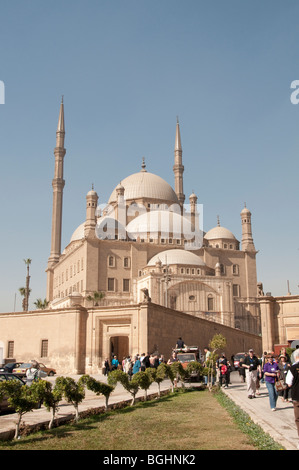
(119, 346)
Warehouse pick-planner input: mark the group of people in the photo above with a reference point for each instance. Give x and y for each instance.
(131, 365)
(280, 374)
(268, 369)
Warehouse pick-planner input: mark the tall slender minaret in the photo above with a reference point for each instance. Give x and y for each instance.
(58, 185)
(178, 167)
(247, 239)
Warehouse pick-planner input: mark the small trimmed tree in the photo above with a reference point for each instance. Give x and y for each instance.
(179, 371)
(20, 398)
(169, 373)
(157, 375)
(99, 388)
(73, 392)
(194, 366)
(50, 396)
(131, 386)
(144, 381)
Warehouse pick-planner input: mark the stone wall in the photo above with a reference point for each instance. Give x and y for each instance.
(166, 325)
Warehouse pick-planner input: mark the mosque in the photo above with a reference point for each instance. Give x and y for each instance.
(146, 240)
(138, 272)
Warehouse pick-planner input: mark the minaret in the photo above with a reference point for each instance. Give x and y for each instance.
(91, 206)
(247, 240)
(193, 211)
(178, 167)
(58, 185)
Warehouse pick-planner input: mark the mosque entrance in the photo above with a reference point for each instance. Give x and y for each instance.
(119, 346)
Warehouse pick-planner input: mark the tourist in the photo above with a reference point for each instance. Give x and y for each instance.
(284, 366)
(293, 354)
(136, 366)
(292, 381)
(173, 358)
(106, 366)
(180, 344)
(114, 363)
(252, 366)
(271, 373)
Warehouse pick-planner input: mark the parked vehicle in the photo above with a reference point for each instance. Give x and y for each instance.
(4, 406)
(237, 358)
(187, 355)
(49, 370)
(21, 370)
(9, 367)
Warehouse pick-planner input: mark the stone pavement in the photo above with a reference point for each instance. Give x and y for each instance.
(280, 425)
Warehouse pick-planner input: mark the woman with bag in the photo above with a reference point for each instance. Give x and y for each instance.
(284, 367)
(271, 374)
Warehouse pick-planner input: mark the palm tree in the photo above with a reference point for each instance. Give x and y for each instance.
(41, 304)
(27, 293)
(96, 297)
(22, 291)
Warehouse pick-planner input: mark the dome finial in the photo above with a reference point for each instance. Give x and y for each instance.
(143, 166)
(218, 220)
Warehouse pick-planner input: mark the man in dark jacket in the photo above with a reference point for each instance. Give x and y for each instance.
(292, 380)
(251, 365)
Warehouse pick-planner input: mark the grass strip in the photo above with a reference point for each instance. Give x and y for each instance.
(258, 437)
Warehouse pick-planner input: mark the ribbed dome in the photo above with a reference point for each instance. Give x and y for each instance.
(147, 186)
(176, 257)
(218, 232)
(160, 223)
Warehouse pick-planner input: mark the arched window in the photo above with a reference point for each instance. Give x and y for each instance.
(210, 303)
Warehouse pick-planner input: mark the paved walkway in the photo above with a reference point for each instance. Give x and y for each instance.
(279, 424)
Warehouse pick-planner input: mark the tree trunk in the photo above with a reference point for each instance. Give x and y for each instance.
(77, 413)
(52, 418)
(106, 403)
(18, 422)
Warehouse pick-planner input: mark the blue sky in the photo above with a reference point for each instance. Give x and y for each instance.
(126, 70)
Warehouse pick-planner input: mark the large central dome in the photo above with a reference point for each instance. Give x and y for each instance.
(145, 185)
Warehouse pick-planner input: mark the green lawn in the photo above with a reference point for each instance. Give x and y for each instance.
(182, 421)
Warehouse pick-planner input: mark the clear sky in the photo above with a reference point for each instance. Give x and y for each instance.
(126, 70)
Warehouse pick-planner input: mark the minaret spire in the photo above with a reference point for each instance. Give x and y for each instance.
(58, 185)
(178, 167)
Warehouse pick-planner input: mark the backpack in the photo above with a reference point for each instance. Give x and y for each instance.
(223, 370)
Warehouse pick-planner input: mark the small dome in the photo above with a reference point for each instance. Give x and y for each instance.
(145, 185)
(219, 232)
(78, 233)
(245, 211)
(176, 257)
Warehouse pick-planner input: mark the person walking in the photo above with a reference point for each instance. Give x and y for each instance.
(292, 380)
(136, 366)
(284, 366)
(271, 373)
(114, 363)
(106, 366)
(251, 365)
